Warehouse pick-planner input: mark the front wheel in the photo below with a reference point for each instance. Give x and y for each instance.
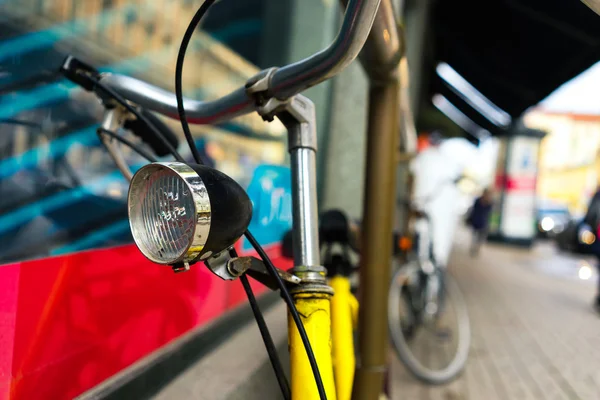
(434, 349)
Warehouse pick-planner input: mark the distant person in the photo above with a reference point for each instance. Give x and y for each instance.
(479, 220)
(592, 219)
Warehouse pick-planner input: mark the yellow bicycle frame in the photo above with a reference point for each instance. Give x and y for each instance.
(329, 323)
(344, 309)
(314, 310)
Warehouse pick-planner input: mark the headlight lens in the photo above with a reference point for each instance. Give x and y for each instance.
(169, 212)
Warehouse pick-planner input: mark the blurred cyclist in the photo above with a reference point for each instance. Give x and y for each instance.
(434, 172)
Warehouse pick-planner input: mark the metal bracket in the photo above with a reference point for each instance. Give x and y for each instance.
(257, 270)
(114, 118)
(230, 268)
(297, 111)
(257, 88)
(112, 121)
(261, 82)
(218, 264)
(299, 116)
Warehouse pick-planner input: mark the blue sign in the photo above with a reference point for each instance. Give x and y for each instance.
(271, 193)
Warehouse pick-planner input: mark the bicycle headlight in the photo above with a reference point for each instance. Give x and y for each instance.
(180, 213)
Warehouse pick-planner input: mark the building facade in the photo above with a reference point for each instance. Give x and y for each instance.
(569, 157)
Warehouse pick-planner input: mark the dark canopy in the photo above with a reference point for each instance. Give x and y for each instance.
(515, 52)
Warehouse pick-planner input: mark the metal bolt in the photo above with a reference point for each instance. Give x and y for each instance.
(237, 266)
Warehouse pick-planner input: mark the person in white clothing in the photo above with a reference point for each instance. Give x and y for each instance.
(435, 193)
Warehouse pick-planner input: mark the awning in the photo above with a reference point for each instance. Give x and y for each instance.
(515, 52)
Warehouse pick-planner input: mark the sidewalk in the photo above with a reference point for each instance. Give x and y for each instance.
(535, 335)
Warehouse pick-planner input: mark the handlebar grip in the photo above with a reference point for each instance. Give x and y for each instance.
(139, 128)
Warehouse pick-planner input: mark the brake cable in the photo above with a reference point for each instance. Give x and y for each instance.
(285, 294)
(138, 149)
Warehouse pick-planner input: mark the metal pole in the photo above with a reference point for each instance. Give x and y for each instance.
(376, 250)
(380, 58)
(383, 49)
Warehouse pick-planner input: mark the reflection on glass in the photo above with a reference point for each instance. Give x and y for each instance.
(59, 190)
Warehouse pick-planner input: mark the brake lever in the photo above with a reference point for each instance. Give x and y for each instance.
(87, 76)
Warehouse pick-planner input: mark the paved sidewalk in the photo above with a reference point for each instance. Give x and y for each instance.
(535, 335)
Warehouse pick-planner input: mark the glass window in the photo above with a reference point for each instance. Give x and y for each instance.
(59, 189)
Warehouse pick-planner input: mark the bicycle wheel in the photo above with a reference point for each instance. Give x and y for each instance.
(434, 350)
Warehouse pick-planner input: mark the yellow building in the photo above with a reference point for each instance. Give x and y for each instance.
(569, 159)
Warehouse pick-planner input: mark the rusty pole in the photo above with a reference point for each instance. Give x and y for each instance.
(376, 249)
(380, 58)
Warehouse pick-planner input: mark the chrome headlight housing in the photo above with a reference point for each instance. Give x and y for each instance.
(180, 213)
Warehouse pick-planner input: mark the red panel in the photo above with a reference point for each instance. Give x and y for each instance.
(522, 183)
(511, 183)
(9, 282)
(68, 323)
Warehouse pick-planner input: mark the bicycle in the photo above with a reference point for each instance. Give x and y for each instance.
(422, 295)
(184, 213)
(419, 287)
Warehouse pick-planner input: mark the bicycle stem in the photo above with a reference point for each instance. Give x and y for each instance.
(299, 117)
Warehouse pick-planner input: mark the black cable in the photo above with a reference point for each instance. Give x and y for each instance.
(265, 334)
(121, 100)
(129, 143)
(293, 311)
(263, 255)
(187, 36)
(264, 331)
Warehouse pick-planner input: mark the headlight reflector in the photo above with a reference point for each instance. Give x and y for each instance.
(169, 212)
